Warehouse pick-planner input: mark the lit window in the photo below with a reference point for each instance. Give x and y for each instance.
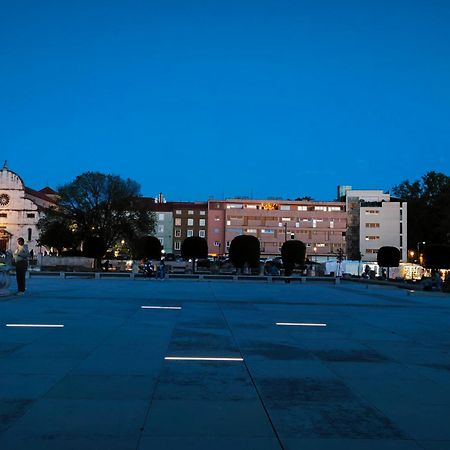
(190, 222)
(203, 213)
(251, 230)
(302, 208)
(190, 233)
(235, 206)
(177, 245)
(372, 225)
(160, 217)
(285, 207)
(202, 222)
(202, 233)
(286, 219)
(178, 221)
(178, 211)
(320, 208)
(190, 212)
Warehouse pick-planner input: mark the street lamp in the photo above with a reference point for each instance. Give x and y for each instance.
(418, 250)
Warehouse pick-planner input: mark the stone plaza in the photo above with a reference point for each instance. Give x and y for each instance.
(181, 364)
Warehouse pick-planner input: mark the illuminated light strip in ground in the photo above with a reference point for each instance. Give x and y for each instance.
(199, 358)
(161, 307)
(294, 324)
(33, 325)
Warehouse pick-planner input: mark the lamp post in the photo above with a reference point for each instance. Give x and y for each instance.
(418, 251)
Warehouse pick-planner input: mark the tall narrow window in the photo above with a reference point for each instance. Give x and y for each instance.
(29, 234)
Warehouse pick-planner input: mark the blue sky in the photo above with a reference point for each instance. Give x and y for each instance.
(208, 98)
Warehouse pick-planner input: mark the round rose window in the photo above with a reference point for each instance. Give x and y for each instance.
(4, 199)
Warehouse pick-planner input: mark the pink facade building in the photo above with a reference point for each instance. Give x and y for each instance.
(320, 225)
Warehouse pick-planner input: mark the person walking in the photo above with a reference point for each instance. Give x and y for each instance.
(21, 255)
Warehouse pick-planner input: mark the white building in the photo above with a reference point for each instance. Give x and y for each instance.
(20, 210)
(375, 220)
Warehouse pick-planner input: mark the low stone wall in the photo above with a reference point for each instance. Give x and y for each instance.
(65, 263)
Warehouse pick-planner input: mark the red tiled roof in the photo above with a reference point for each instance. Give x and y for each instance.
(38, 194)
(48, 191)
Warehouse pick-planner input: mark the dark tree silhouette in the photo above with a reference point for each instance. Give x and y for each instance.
(106, 207)
(245, 250)
(388, 257)
(436, 256)
(59, 236)
(293, 253)
(428, 208)
(194, 247)
(94, 247)
(147, 247)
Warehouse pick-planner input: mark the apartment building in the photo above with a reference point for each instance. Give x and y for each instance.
(375, 220)
(320, 225)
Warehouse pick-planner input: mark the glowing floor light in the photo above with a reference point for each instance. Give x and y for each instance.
(161, 307)
(300, 324)
(33, 325)
(200, 358)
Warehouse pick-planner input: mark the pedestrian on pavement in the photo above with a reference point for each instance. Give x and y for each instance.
(21, 255)
(162, 269)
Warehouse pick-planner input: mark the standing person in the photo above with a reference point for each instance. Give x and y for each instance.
(162, 269)
(21, 255)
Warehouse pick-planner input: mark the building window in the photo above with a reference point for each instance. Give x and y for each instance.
(265, 231)
(178, 221)
(331, 223)
(203, 213)
(202, 233)
(251, 206)
(334, 208)
(177, 232)
(235, 206)
(190, 222)
(217, 219)
(228, 244)
(202, 222)
(161, 229)
(190, 212)
(29, 234)
(228, 222)
(297, 225)
(285, 207)
(190, 233)
(161, 240)
(302, 208)
(178, 211)
(160, 217)
(372, 238)
(286, 219)
(320, 208)
(372, 225)
(3, 215)
(177, 245)
(251, 230)
(31, 215)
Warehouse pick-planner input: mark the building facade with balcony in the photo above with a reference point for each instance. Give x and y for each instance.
(320, 225)
(375, 220)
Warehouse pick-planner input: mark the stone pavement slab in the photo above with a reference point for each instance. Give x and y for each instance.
(376, 377)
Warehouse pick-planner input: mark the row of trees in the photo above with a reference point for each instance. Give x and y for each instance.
(428, 208)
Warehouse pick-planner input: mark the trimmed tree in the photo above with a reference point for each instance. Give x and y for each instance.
(245, 250)
(194, 247)
(293, 253)
(94, 247)
(147, 247)
(388, 257)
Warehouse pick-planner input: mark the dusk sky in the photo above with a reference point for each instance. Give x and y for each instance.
(234, 98)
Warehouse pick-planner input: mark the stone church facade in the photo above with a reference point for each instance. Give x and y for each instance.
(20, 210)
